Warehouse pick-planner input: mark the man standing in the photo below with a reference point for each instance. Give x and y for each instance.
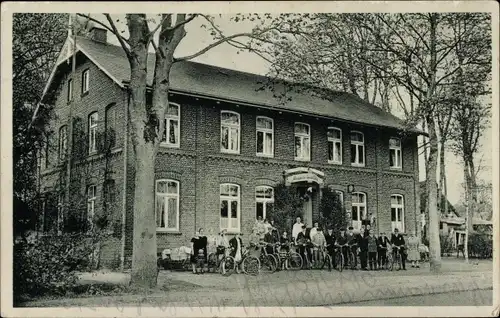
(341, 241)
(330, 245)
(382, 242)
(363, 249)
(352, 240)
(297, 228)
(371, 242)
(398, 243)
(304, 241)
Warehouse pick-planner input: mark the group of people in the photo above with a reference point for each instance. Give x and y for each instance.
(310, 242)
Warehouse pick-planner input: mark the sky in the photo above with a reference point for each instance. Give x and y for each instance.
(226, 56)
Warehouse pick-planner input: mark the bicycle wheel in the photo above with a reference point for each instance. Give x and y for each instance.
(339, 260)
(212, 262)
(269, 263)
(295, 261)
(327, 260)
(250, 265)
(352, 261)
(229, 265)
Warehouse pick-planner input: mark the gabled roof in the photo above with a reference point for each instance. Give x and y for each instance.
(239, 87)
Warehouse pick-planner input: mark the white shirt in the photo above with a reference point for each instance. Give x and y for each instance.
(313, 232)
(297, 228)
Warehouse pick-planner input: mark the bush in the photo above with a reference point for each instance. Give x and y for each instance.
(446, 244)
(49, 265)
(332, 213)
(480, 245)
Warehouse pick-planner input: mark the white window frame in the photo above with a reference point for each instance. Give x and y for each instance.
(302, 136)
(168, 118)
(165, 209)
(357, 224)
(263, 200)
(85, 81)
(70, 90)
(264, 132)
(63, 142)
(334, 141)
(358, 144)
(400, 224)
(91, 201)
(230, 199)
(111, 119)
(229, 126)
(398, 153)
(93, 123)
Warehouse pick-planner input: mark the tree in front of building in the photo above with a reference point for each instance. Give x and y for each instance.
(332, 212)
(287, 207)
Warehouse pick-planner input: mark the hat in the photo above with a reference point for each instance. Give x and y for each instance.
(396, 230)
(351, 228)
(303, 226)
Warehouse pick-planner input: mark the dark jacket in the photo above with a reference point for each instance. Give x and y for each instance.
(330, 239)
(303, 238)
(397, 240)
(351, 239)
(371, 242)
(381, 240)
(342, 240)
(234, 245)
(362, 243)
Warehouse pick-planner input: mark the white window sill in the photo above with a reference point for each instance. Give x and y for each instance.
(234, 231)
(302, 159)
(357, 165)
(167, 231)
(263, 155)
(396, 168)
(231, 152)
(335, 162)
(116, 150)
(165, 145)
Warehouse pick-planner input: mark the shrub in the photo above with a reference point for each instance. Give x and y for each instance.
(446, 244)
(332, 213)
(287, 206)
(49, 265)
(480, 245)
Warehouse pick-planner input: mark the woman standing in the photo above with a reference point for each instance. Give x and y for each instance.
(413, 252)
(236, 249)
(198, 242)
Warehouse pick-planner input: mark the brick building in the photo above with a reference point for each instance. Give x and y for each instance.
(226, 145)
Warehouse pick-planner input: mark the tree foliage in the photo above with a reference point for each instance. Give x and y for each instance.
(332, 212)
(287, 207)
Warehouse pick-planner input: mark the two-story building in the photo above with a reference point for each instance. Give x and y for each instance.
(227, 142)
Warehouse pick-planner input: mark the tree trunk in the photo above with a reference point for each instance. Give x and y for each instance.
(431, 187)
(443, 198)
(144, 267)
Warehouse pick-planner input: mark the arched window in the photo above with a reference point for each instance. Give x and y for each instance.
(230, 207)
(302, 142)
(93, 119)
(167, 205)
(171, 133)
(395, 153)
(264, 200)
(357, 149)
(265, 136)
(397, 212)
(230, 131)
(63, 142)
(334, 145)
(358, 209)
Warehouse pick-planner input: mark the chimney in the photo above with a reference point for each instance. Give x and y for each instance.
(98, 34)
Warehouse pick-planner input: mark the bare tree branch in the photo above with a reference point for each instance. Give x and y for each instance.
(118, 35)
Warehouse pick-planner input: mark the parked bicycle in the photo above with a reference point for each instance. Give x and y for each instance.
(326, 258)
(396, 257)
(289, 259)
(225, 265)
(250, 264)
(268, 261)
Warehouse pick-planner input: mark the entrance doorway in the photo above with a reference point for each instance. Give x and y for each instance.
(309, 193)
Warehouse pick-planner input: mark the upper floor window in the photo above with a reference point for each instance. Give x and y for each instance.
(265, 136)
(397, 212)
(357, 149)
(85, 81)
(171, 134)
(230, 207)
(63, 142)
(302, 142)
(167, 205)
(395, 153)
(334, 145)
(111, 120)
(93, 118)
(358, 209)
(70, 90)
(264, 200)
(230, 132)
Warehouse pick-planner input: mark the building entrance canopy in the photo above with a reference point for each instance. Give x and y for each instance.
(303, 175)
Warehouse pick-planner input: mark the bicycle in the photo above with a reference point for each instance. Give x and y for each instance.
(306, 262)
(250, 264)
(396, 257)
(352, 256)
(292, 259)
(226, 266)
(388, 257)
(327, 259)
(267, 261)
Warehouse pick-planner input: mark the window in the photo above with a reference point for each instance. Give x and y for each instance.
(167, 205)
(63, 142)
(265, 136)
(230, 132)
(93, 118)
(264, 200)
(358, 210)
(357, 149)
(302, 142)
(395, 153)
(70, 90)
(60, 213)
(397, 212)
(85, 81)
(110, 123)
(91, 200)
(334, 145)
(171, 135)
(230, 207)
(47, 151)
(109, 194)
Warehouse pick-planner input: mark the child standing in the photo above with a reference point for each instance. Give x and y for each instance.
(319, 242)
(371, 241)
(201, 261)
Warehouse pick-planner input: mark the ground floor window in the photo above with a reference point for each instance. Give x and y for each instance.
(358, 210)
(230, 207)
(397, 212)
(167, 205)
(264, 200)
